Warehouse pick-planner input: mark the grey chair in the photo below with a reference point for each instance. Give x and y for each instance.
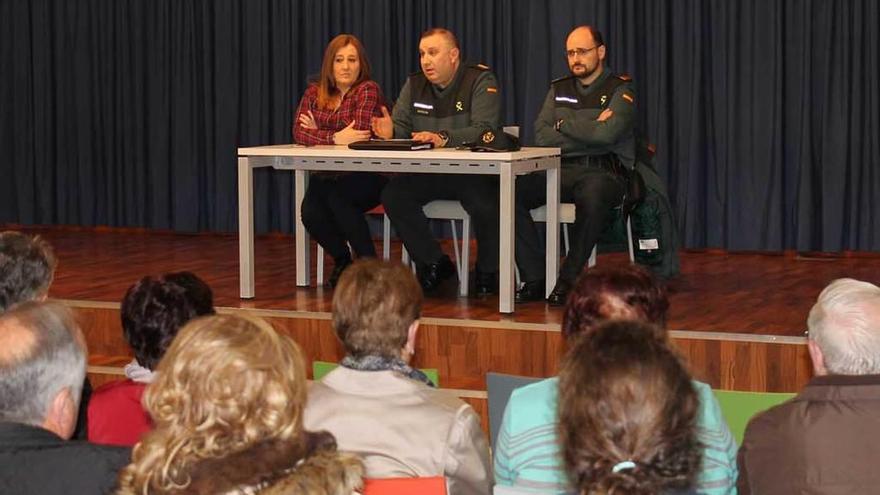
(499, 387)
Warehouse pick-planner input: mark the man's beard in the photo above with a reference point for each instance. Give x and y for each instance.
(586, 73)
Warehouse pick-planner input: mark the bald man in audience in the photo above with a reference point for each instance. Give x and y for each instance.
(27, 269)
(42, 367)
(825, 440)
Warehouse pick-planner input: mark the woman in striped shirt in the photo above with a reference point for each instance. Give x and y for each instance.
(337, 109)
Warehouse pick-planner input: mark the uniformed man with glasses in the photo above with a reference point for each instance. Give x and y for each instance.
(590, 115)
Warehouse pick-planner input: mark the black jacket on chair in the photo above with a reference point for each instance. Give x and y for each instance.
(35, 460)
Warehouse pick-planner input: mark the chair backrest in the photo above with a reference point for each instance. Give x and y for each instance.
(499, 387)
(321, 368)
(435, 485)
(739, 407)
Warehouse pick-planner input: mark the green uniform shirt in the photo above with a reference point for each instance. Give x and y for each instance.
(580, 133)
(464, 115)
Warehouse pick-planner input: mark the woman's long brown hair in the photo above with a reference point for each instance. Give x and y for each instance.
(327, 90)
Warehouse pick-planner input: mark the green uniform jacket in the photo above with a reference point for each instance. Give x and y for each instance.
(470, 105)
(579, 106)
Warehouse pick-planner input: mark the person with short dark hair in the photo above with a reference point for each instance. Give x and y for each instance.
(627, 413)
(27, 267)
(414, 429)
(42, 367)
(824, 440)
(527, 450)
(338, 109)
(590, 114)
(152, 312)
(447, 103)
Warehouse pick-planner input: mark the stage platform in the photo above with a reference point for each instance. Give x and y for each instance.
(738, 319)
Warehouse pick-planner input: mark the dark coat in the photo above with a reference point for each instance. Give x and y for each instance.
(35, 460)
(824, 441)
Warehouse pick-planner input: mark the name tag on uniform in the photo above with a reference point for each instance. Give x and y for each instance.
(422, 108)
(566, 99)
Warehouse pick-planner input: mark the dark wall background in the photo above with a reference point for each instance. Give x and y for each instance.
(766, 113)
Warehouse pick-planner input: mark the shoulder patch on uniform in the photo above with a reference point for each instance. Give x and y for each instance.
(625, 77)
(560, 79)
(480, 66)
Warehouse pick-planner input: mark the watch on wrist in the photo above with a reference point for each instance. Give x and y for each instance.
(444, 136)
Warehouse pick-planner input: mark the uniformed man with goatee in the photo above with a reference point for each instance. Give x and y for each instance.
(590, 115)
(447, 103)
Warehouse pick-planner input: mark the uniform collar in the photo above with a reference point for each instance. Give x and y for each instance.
(586, 89)
(453, 83)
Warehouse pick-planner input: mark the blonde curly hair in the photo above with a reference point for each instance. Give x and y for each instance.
(225, 384)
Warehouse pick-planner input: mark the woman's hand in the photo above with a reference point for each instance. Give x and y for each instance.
(350, 135)
(307, 120)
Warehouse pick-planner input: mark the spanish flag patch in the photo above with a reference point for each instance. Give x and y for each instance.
(491, 90)
(627, 97)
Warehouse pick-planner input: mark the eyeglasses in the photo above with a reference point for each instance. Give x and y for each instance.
(580, 51)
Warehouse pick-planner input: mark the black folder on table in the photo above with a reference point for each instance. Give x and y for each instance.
(391, 144)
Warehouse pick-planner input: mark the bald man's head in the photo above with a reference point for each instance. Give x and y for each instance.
(42, 358)
(586, 53)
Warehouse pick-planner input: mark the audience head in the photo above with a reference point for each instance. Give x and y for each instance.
(345, 66)
(585, 51)
(376, 307)
(226, 384)
(627, 413)
(27, 266)
(154, 309)
(614, 292)
(844, 329)
(439, 56)
(42, 366)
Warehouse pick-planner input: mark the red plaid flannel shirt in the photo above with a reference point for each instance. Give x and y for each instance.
(359, 104)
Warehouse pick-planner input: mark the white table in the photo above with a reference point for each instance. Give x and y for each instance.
(302, 160)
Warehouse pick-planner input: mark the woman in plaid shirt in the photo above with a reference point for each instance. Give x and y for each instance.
(337, 109)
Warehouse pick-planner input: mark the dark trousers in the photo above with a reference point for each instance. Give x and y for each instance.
(333, 211)
(406, 194)
(595, 194)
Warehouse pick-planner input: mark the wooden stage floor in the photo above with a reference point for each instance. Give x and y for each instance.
(764, 294)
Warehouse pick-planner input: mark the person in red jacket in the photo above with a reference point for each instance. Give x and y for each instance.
(337, 109)
(153, 310)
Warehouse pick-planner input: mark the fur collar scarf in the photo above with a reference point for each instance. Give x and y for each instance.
(313, 467)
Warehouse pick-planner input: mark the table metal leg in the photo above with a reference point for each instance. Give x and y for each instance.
(507, 184)
(245, 228)
(552, 262)
(301, 178)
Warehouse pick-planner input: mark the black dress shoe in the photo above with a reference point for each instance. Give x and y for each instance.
(434, 274)
(339, 266)
(485, 283)
(531, 291)
(560, 293)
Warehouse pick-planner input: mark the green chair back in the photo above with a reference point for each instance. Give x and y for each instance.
(739, 407)
(321, 368)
